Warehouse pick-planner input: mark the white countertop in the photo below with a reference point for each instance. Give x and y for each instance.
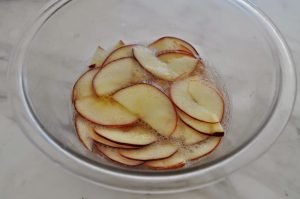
(26, 173)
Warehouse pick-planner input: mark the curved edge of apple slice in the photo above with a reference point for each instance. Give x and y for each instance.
(183, 45)
(82, 85)
(103, 111)
(113, 154)
(186, 134)
(99, 139)
(203, 148)
(190, 153)
(126, 100)
(125, 51)
(84, 131)
(193, 88)
(183, 100)
(209, 129)
(175, 161)
(122, 72)
(157, 150)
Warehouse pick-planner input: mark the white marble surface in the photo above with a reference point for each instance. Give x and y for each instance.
(28, 174)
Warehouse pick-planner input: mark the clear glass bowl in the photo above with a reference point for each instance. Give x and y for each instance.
(250, 57)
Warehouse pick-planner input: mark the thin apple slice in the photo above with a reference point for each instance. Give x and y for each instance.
(180, 158)
(113, 154)
(202, 149)
(207, 96)
(171, 70)
(181, 97)
(104, 111)
(175, 161)
(212, 129)
(118, 74)
(151, 105)
(84, 131)
(172, 43)
(100, 54)
(98, 57)
(124, 51)
(187, 134)
(83, 87)
(157, 150)
(99, 139)
(167, 56)
(137, 135)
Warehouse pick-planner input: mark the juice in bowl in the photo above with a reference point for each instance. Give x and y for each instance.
(156, 106)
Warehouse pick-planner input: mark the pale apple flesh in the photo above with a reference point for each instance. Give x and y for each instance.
(184, 101)
(137, 135)
(207, 96)
(104, 111)
(113, 154)
(116, 75)
(157, 150)
(186, 134)
(172, 69)
(151, 105)
(172, 43)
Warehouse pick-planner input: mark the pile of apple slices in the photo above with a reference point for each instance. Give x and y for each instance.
(122, 113)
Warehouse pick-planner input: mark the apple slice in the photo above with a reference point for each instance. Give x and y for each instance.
(157, 150)
(100, 54)
(181, 97)
(180, 158)
(99, 139)
(98, 57)
(124, 51)
(151, 105)
(171, 70)
(138, 135)
(118, 74)
(187, 134)
(104, 111)
(175, 161)
(113, 154)
(166, 56)
(207, 96)
(84, 131)
(213, 129)
(202, 149)
(83, 86)
(173, 43)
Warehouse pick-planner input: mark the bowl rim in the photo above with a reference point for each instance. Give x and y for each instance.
(64, 157)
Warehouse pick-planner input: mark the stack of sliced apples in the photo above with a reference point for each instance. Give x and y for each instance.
(123, 114)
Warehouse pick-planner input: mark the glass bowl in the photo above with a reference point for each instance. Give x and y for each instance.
(240, 43)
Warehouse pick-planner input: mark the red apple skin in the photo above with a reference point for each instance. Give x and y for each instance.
(105, 61)
(175, 38)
